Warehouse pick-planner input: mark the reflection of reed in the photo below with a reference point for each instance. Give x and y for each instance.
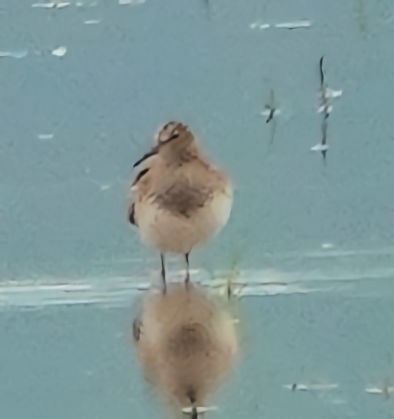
(362, 17)
(185, 344)
(207, 7)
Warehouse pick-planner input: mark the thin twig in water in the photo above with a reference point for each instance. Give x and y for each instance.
(325, 111)
(271, 106)
(321, 73)
(270, 115)
(270, 112)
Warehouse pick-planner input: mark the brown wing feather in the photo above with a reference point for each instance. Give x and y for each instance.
(183, 199)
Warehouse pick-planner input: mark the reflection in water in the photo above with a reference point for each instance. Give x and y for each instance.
(362, 17)
(186, 345)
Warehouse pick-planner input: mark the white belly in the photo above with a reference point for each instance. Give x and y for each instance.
(171, 232)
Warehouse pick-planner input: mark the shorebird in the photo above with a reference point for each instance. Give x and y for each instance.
(179, 199)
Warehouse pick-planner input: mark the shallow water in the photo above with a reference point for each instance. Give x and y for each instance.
(84, 85)
(78, 361)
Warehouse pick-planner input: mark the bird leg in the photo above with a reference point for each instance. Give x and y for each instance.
(163, 273)
(187, 278)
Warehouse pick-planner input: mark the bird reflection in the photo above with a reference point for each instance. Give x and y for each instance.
(186, 345)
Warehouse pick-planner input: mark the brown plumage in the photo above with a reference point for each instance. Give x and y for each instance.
(179, 198)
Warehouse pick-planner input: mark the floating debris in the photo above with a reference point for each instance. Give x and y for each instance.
(324, 109)
(332, 94)
(374, 390)
(105, 187)
(82, 4)
(300, 24)
(198, 409)
(59, 51)
(45, 137)
(385, 390)
(320, 147)
(14, 54)
(92, 21)
(261, 26)
(310, 387)
(102, 186)
(130, 2)
(52, 5)
(143, 287)
(327, 246)
(270, 113)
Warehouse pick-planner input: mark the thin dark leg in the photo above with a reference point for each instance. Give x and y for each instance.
(187, 279)
(163, 273)
(192, 397)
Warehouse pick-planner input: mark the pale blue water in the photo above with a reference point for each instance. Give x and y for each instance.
(71, 128)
